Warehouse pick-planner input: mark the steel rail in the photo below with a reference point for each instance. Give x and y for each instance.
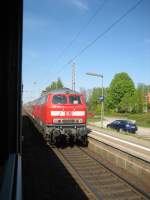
(119, 149)
(92, 189)
(120, 177)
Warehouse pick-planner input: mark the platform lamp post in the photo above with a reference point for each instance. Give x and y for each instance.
(101, 98)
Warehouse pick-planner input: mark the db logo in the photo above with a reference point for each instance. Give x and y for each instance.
(68, 113)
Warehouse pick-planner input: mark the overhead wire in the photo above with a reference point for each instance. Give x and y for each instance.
(83, 28)
(80, 32)
(119, 19)
(108, 28)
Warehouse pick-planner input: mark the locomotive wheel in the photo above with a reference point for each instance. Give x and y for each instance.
(85, 141)
(53, 140)
(72, 140)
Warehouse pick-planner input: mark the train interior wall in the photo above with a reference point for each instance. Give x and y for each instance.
(10, 81)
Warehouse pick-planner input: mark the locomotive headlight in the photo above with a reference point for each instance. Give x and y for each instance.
(79, 120)
(55, 120)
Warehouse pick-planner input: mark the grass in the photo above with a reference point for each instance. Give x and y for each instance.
(113, 131)
(142, 119)
(94, 119)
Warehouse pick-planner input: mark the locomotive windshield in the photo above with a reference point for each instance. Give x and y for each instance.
(59, 99)
(62, 99)
(74, 100)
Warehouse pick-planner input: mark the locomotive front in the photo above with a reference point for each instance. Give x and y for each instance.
(66, 117)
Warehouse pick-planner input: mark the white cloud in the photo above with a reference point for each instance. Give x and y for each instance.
(80, 4)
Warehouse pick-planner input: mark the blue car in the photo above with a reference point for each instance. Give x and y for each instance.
(123, 125)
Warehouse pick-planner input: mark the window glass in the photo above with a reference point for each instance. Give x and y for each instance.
(45, 99)
(74, 100)
(122, 122)
(116, 122)
(59, 99)
(39, 101)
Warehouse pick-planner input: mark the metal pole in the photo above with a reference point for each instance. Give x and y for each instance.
(74, 84)
(102, 105)
(73, 76)
(146, 100)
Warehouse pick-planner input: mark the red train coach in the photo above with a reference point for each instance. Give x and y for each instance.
(61, 113)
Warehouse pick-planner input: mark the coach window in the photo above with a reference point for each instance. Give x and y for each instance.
(75, 100)
(36, 102)
(45, 99)
(39, 101)
(59, 99)
(42, 100)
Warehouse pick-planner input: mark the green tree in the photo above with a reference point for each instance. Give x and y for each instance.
(59, 83)
(93, 101)
(142, 91)
(136, 103)
(53, 85)
(129, 103)
(121, 87)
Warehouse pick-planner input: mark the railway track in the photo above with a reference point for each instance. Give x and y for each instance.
(95, 179)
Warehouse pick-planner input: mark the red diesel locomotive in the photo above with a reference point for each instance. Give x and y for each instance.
(62, 114)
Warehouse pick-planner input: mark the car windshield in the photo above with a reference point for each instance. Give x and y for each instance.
(126, 122)
(116, 122)
(130, 123)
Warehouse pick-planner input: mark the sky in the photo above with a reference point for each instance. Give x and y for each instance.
(56, 31)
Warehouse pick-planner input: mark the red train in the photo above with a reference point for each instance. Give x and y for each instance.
(62, 114)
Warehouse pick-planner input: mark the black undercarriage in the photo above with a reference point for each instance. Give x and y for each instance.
(72, 134)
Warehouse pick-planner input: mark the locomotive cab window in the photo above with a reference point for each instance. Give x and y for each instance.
(59, 99)
(74, 100)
